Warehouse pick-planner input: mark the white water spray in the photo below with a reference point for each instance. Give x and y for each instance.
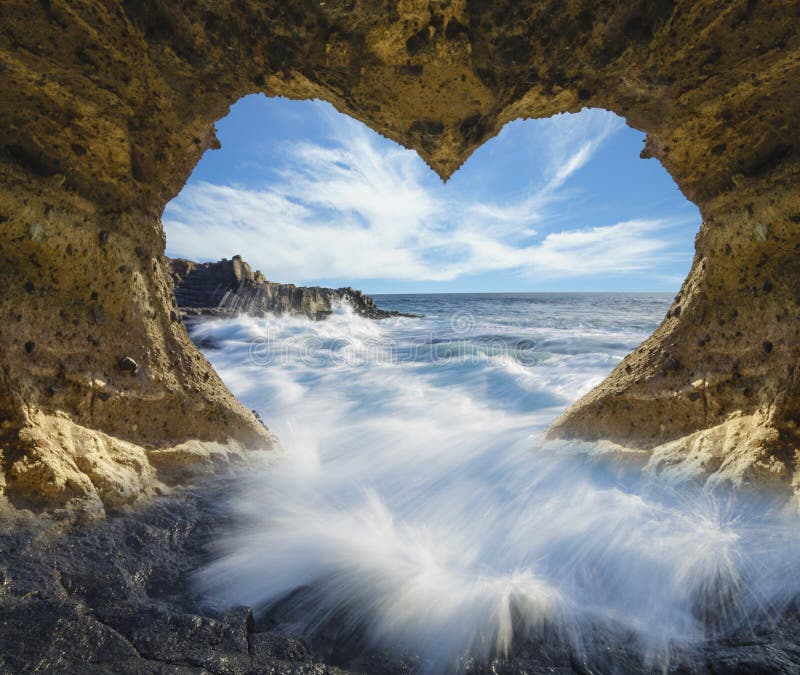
(415, 502)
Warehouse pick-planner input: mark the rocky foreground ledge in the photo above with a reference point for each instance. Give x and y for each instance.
(119, 597)
(230, 287)
(105, 109)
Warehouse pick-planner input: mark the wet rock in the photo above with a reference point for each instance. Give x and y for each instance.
(46, 635)
(230, 287)
(160, 633)
(273, 645)
(119, 596)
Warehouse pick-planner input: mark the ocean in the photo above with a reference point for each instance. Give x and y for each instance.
(415, 500)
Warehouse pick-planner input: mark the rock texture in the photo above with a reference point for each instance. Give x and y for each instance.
(231, 287)
(105, 107)
(118, 597)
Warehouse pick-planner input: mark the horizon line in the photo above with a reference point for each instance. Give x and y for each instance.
(520, 292)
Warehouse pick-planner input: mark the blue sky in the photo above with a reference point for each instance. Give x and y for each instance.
(310, 196)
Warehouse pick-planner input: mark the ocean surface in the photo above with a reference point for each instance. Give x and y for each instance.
(415, 501)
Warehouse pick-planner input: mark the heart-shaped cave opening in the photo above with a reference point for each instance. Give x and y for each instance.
(414, 518)
(414, 506)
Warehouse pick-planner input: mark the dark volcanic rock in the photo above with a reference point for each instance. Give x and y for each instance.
(231, 287)
(117, 597)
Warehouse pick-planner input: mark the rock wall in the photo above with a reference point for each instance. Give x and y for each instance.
(106, 106)
(231, 287)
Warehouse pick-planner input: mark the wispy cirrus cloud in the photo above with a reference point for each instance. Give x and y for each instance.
(358, 207)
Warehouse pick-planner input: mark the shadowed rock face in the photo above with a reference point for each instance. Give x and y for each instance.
(230, 287)
(120, 597)
(105, 107)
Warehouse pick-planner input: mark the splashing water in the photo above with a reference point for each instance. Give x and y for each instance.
(416, 504)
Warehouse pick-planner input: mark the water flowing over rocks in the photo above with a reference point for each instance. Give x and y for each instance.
(117, 597)
(105, 108)
(230, 287)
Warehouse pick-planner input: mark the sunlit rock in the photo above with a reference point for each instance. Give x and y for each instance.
(105, 108)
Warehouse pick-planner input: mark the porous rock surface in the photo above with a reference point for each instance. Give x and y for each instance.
(230, 287)
(105, 108)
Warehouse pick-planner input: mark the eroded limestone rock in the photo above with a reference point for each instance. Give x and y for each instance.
(106, 107)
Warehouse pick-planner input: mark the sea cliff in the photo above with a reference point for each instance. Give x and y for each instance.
(231, 287)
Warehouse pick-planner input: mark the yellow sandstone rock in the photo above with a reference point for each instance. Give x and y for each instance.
(105, 108)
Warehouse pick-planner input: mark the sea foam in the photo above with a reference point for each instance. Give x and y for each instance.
(414, 500)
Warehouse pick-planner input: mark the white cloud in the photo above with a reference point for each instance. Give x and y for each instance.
(360, 208)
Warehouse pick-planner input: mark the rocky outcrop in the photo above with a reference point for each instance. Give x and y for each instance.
(716, 389)
(119, 597)
(231, 287)
(105, 108)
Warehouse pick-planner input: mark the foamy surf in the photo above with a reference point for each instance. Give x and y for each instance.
(416, 506)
